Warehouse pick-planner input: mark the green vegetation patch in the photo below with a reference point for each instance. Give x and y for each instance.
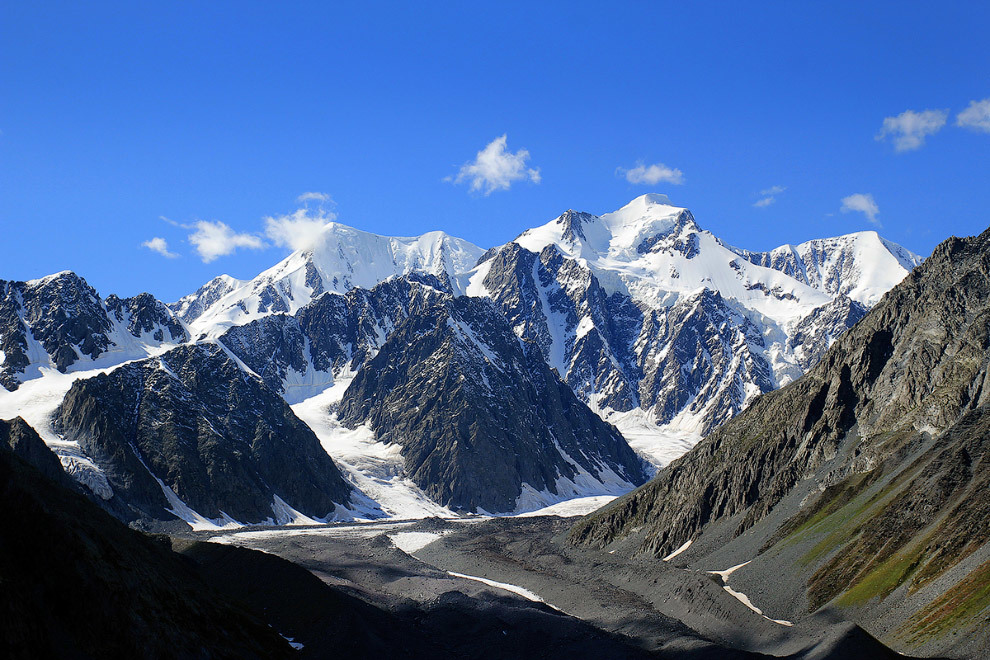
(886, 577)
(957, 608)
(844, 524)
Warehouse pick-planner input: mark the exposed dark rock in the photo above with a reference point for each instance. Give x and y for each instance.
(68, 320)
(698, 357)
(335, 333)
(344, 330)
(145, 314)
(270, 347)
(19, 438)
(220, 439)
(816, 332)
(62, 312)
(476, 415)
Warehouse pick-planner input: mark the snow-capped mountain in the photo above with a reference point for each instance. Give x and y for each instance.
(60, 323)
(646, 319)
(189, 434)
(862, 266)
(642, 310)
(339, 259)
(483, 423)
(656, 253)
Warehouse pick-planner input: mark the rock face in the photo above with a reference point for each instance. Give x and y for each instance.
(144, 315)
(300, 355)
(189, 427)
(478, 417)
(338, 334)
(60, 320)
(874, 464)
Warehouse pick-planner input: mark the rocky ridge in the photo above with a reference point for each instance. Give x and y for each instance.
(190, 434)
(479, 417)
(61, 322)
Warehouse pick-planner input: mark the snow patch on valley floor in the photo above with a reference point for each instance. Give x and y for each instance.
(740, 596)
(729, 571)
(744, 599)
(410, 542)
(578, 506)
(678, 551)
(519, 591)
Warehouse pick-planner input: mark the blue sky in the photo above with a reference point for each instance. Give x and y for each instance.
(114, 116)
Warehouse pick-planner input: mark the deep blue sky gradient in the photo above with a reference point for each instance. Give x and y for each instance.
(114, 114)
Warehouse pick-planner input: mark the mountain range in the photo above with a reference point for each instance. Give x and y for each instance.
(572, 361)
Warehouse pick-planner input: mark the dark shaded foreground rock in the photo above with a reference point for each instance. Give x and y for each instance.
(76, 583)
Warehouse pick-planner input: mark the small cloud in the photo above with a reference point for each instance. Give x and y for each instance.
(652, 174)
(173, 222)
(297, 230)
(769, 196)
(159, 245)
(494, 168)
(862, 203)
(216, 239)
(976, 116)
(909, 129)
(322, 198)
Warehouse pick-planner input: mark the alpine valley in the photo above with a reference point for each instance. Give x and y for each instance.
(412, 424)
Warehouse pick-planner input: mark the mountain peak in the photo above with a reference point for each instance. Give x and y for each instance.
(652, 198)
(338, 259)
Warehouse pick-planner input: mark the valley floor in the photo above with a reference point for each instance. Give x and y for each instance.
(641, 607)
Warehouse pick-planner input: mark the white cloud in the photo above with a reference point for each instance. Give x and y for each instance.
(653, 174)
(769, 196)
(216, 239)
(862, 203)
(494, 168)
(297, 230)
(976, 116)
(322, 198)
(159, 245)
(910, 128)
